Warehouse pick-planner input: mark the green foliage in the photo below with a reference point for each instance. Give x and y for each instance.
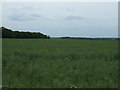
(7, 33)
(60, 63)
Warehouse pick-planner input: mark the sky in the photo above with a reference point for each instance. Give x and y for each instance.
(57, 19)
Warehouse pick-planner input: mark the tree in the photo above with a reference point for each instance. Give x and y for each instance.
(7, 33)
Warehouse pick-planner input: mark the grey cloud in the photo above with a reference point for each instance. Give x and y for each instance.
(24, 17)
(32, 17)
(20, 18)
(74, 18)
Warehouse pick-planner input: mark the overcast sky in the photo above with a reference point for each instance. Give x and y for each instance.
(79, 19)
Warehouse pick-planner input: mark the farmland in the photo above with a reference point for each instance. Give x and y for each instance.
(58, 63)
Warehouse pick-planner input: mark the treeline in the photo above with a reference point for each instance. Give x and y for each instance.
(84, 38)
(8, 33)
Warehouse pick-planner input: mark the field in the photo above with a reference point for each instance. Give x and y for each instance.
(57, 63)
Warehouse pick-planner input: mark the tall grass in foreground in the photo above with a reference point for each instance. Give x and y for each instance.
(33, 63)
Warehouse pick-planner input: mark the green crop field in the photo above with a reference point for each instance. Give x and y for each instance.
(58, 63)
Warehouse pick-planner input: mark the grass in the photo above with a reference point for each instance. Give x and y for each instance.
(57, 63)
(0, 62)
